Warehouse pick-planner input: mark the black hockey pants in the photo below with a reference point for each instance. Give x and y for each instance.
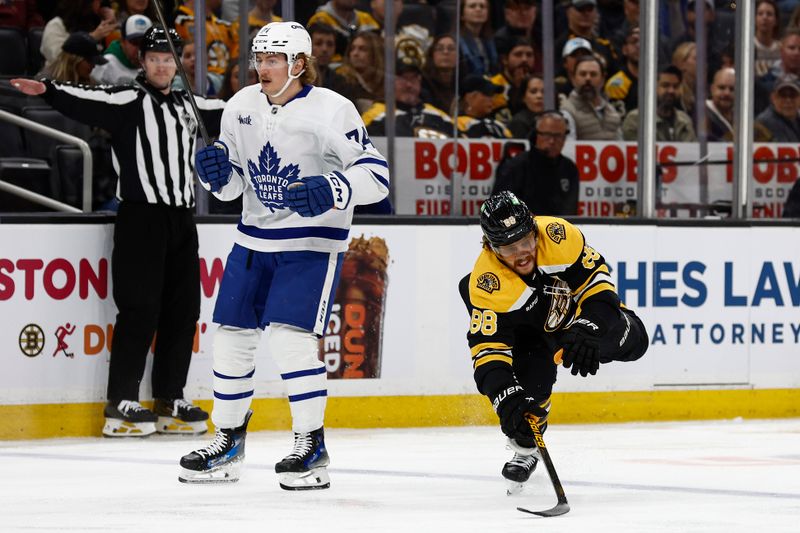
(155, 270)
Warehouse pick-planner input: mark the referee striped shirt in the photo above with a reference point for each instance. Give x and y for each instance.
(152, 135)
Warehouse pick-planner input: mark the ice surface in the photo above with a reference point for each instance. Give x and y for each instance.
(724, 476)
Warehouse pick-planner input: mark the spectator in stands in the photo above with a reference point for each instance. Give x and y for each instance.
(475, 120)
(719, 108)
(346, 21)
(363, 69)
(520, 21)
(716, 42)
(789, 63)
(323, 47)
(630, 9)
(574, 49)
(222, 42)
(589, 114)
(523, 121)
(439, 74)
(672, 124)
(767, 38)
(517, 64)
(542, 177)
(781, 117)
(79, 55)
(73, 16)
(230, 83)
(685, 58)
(125, 9)
(623, 86)
(409, 34)
(259, 16)
(378, 10)
(478, 53)
(122, 55)
(413, 117)
(21, 14)
(581, 22)
(213, 81)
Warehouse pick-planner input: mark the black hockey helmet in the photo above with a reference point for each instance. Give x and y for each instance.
(505, 219)
(155, 40)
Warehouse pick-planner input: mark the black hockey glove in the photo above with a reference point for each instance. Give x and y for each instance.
(581, 347)
(511, 405)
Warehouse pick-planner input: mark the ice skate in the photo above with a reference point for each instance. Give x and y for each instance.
(519, 469)
(220, 461)
(128, 419)
(305, 467)
(180, 417)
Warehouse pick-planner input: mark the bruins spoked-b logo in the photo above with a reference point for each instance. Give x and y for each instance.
(489, 282)
(31, 340)
(269, 179)
(556, 231)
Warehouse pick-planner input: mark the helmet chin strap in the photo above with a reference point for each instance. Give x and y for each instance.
(288, 80)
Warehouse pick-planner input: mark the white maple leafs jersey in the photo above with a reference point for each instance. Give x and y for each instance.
(271, 146)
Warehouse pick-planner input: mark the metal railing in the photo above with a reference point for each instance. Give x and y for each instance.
(47, 131)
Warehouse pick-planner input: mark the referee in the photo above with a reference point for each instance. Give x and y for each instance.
(155, 266)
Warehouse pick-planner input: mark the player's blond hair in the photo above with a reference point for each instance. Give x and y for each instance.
(310, 75)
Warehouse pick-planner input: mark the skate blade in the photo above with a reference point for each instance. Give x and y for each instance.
(175, 426)
(513, 488)
(314, 479)
(115, 427)
(227, 473)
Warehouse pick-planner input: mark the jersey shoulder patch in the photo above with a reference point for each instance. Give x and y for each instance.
(559, 245)
(492, 285)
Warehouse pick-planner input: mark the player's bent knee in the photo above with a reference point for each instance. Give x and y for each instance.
(293, 348)
(235, 350)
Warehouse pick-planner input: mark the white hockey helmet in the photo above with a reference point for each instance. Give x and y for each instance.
(289, 38)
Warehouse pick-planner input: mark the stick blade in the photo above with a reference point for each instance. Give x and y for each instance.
(558, 510)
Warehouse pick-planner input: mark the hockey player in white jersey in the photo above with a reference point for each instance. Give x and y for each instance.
(301, 157)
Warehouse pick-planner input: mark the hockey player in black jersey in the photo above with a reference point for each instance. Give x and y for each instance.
(539, 296)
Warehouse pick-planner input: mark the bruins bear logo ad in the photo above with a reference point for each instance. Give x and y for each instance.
(488, 282)
(556, 231)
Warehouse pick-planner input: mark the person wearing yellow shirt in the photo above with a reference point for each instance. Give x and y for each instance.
(221, 39)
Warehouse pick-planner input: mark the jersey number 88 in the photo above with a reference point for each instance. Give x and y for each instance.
(484, 321)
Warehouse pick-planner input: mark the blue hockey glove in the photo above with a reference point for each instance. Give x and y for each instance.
(581, 347)
(213, 166)
(310, 196)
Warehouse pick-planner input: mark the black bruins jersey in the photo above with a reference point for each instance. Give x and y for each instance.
(506, 310)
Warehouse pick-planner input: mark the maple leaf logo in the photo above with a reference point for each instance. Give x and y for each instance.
(269, 179)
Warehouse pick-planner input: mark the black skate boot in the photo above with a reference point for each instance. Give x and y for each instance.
(220, 461)
(180, 417)
(128, 419)
(304, 468)
(519, 469)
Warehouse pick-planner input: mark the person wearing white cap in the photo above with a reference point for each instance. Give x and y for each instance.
(123, 54)
(572, 50)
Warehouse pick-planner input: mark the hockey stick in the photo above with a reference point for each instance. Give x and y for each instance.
(562, 507)
(182, 73)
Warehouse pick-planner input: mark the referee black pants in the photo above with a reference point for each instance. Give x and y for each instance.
(155, 270)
